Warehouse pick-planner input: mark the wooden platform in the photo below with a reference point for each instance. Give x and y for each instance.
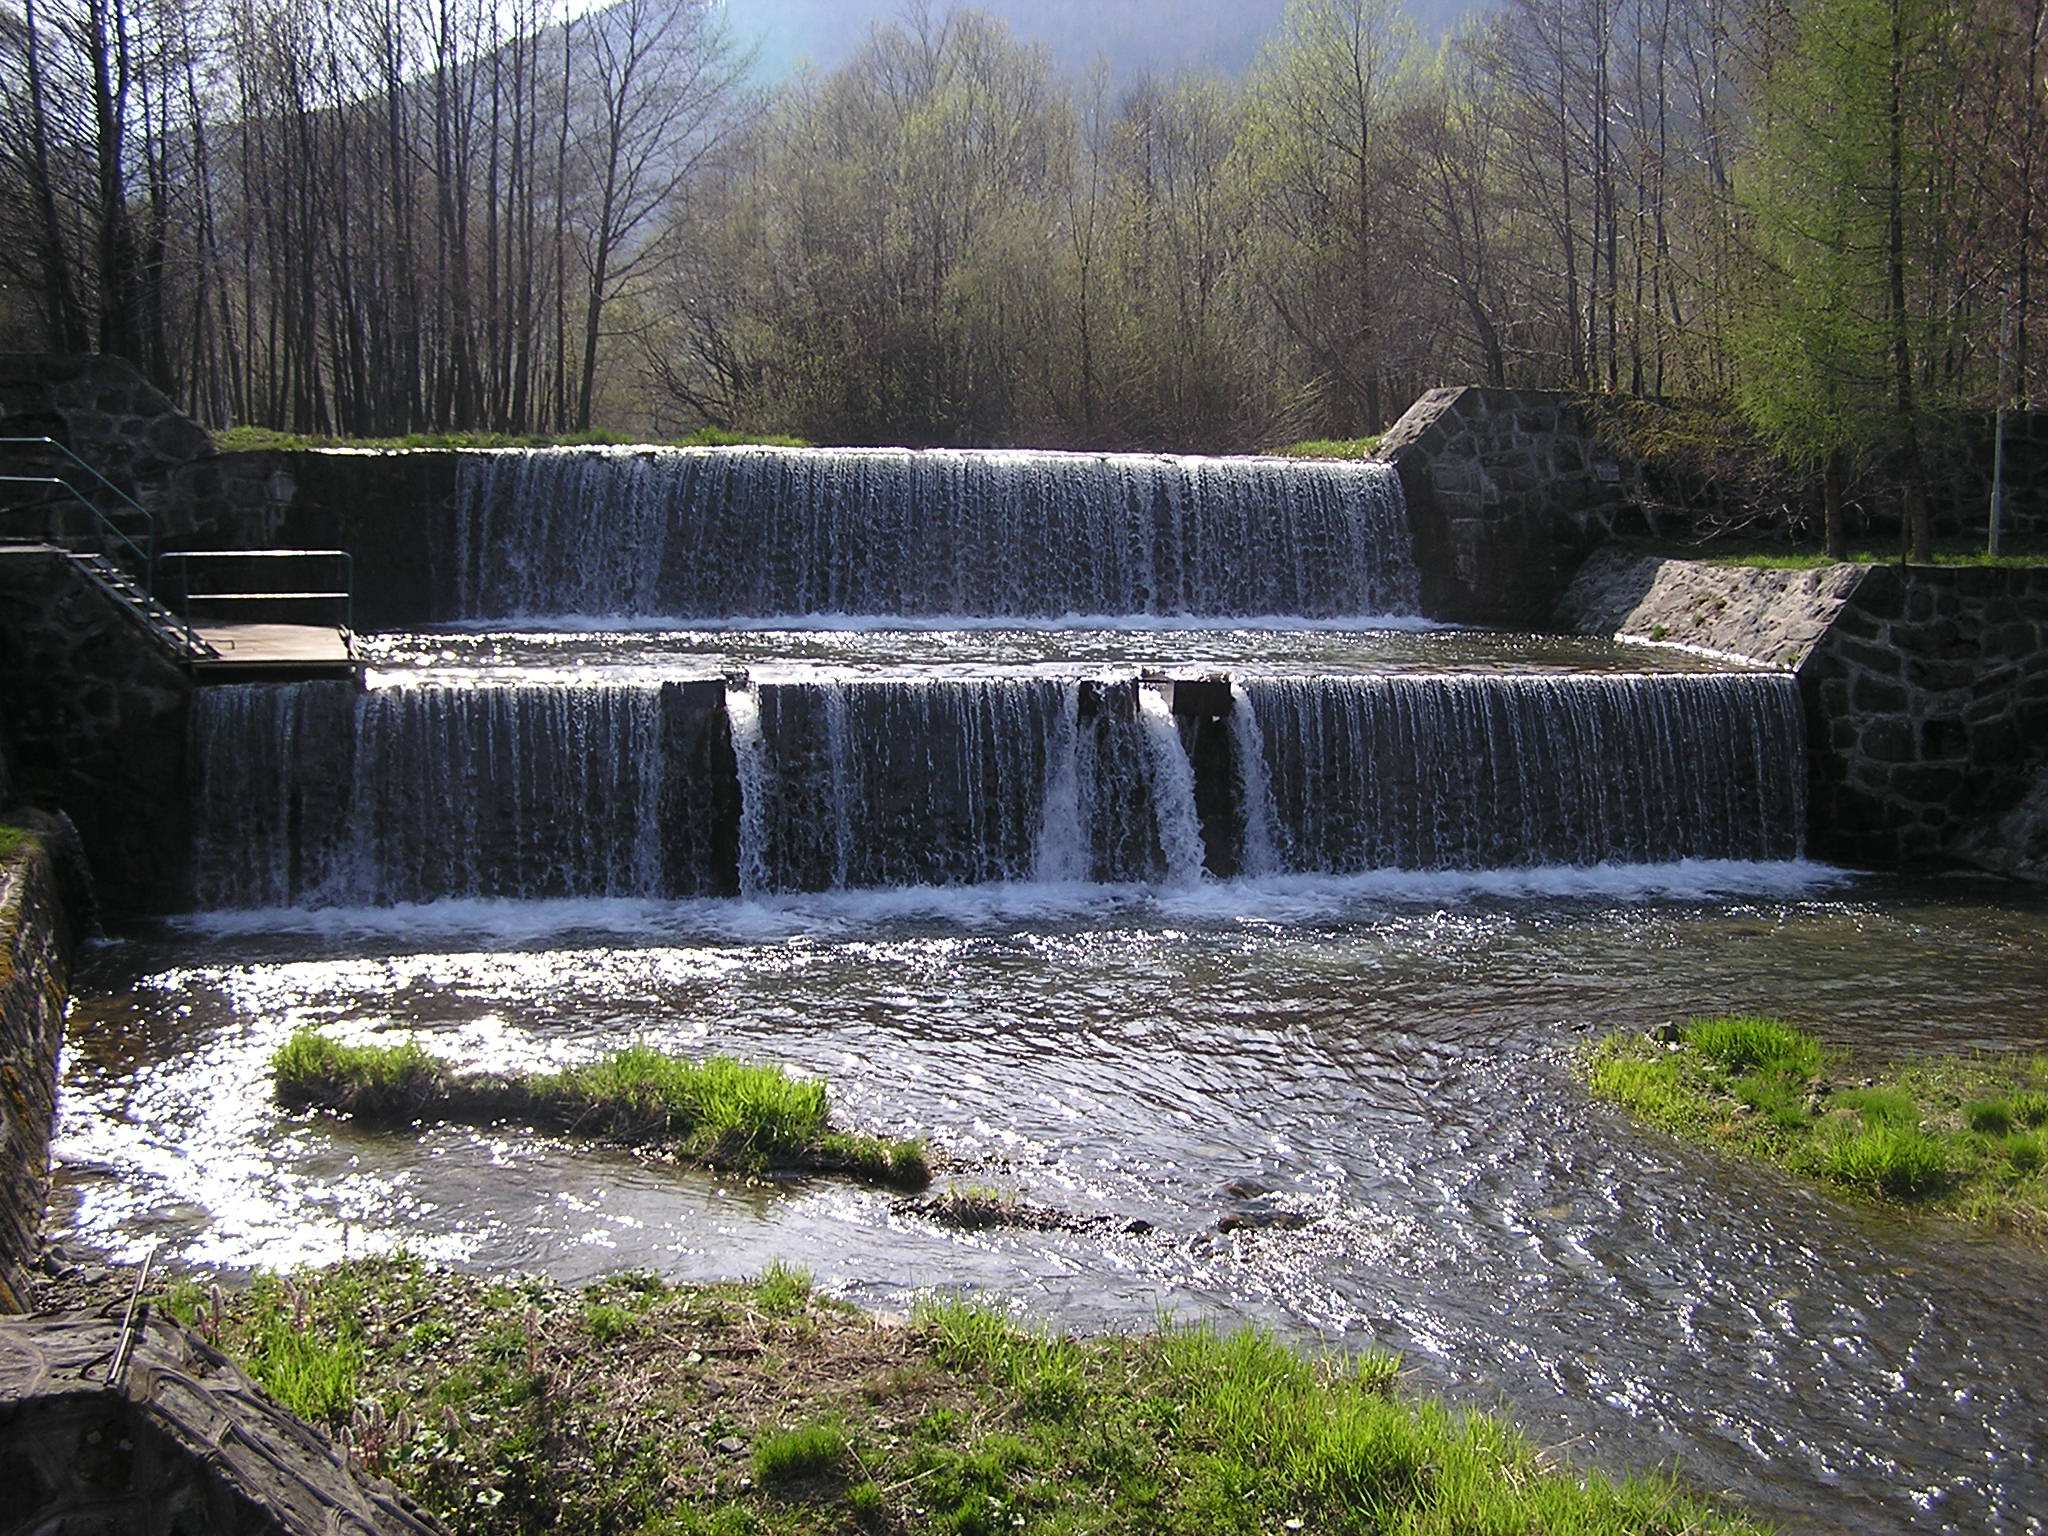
(275, 653)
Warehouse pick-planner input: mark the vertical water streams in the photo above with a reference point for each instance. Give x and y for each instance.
(713, 533)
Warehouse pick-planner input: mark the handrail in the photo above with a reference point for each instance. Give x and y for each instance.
(110, 530)
(50, 442)
(107, 524)
(348, 572)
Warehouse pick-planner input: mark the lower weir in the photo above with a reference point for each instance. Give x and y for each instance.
(316, 795)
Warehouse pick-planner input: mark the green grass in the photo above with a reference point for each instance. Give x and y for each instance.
(512, 1419)
(717, 1104)
(1334, 448)
(376, 1081)
(809, 1453)
(1958, 1135)
(264, 440)
(725, 1113)
(13, 840)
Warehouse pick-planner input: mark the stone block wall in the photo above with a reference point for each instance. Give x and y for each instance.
(109, 415)
(36, 936)
(1928, 707)
(1926, 692)
(96, 723)
(1507, 491)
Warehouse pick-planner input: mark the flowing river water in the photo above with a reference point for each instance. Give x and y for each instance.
(1391, 1058)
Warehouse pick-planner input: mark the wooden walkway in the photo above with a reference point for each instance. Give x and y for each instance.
(275, 653)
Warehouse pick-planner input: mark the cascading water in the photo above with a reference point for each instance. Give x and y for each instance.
(313, 794)
(1483, 772)
(765, 532)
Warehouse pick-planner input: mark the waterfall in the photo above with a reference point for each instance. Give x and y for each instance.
(766, 532)
(1478, 772)
(313, 794)
(1173, 790)
(1065, 847)
(750, 759)
(1254, 784)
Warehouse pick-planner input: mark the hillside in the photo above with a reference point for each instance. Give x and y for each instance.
(1137, 37)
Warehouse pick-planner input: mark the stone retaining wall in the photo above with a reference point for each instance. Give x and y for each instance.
(1507, 493)
(96, 719)
(394, 512)
(1926, 692)
(36, 935)
(1932, 691)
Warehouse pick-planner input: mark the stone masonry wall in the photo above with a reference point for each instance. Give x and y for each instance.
(1926, 692)
(1507, 492)
(36, 934)
(120, 424)
(1931, 690)
(96, 723)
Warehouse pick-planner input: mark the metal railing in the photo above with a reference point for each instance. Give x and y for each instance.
(342, 593)
(110, 540)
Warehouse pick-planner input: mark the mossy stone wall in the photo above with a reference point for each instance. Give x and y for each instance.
(36, 934)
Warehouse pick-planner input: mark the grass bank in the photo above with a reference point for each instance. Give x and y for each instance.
(1963, 1136)
(1334, 448)
(2020, 554)
(647, 1410)
(264, 440)
(718, 1112)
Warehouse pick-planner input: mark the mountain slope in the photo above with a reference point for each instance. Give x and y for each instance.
(1136, 37)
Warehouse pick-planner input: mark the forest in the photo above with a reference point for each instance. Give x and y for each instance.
(374, 217)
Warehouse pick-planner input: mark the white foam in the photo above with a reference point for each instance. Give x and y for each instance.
(1284, 900)
(513, 625)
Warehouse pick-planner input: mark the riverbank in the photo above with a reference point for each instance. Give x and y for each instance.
(1962, 1136)
(633, 1406)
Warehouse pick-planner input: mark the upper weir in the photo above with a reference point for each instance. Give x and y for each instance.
(694, 534)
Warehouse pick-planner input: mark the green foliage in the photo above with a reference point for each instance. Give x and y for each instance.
(718, 1104)
(724, 1112)
(509, 1421)
(1335, 448)
(783, 1290)
(1956, 1134)
(1886, 1158)
(1813, 337)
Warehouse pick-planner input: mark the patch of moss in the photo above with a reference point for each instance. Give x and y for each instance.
(717, 1111)
(1958, 1135)
(706, 1410)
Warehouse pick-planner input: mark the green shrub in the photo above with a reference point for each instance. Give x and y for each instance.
(1991, 1117)
(1884, 1108)
(721, 1104)
(375, 1081)
(2027, 1154)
